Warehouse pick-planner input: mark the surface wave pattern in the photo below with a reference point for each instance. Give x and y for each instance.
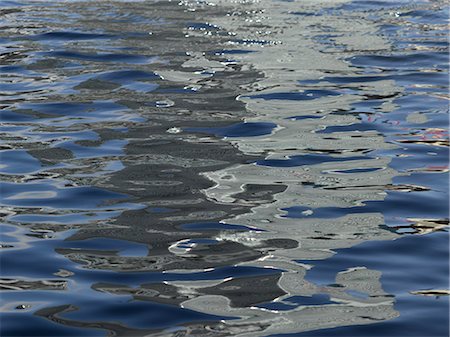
(217, 168)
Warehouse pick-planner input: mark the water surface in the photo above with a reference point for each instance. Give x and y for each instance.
(275, 168)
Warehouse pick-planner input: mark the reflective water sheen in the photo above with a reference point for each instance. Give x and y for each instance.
(219, 168)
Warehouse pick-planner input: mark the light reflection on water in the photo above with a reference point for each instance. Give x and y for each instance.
(171, 170)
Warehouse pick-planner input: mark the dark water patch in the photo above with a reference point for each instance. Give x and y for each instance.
(137, 315)
(69, 36)
(51, 155)
(219, 273)
(276, 306)
(356, 170)
(124, 248)
(316, 299)
(102, 57)
(127, 76)
(108, 148)
(37, 326)
(72, 113)
(116, 313)
(299, 118)
(375, 329)
(238, 130)
(422, 103)
(61, 137)
(50, 263)
(231, 52)
(347, 128)
(95, 84)
(65, 219)
(296, 96)
(17, 162)
(400, 275)
(308, 159)
(74, 109)
(412, 61)
(304, 13)
(9, 3)
(9, 116)
(51, 63)
(160, 210)
(437, 16)
(259, 192)
(256, 289)
(44, 194)
(30, 87)
(431, 177)
(14, 70)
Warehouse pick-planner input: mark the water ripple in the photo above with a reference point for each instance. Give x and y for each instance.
(224, 169)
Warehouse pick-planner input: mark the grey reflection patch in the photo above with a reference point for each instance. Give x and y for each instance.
(245, 292)
(156, 292)
(351, 309)
(16, 284)
(270, 189)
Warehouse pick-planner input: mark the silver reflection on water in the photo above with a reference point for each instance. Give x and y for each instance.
(217, 168)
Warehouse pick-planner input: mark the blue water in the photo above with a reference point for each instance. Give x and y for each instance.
(238, 130)
(105, 227)
(418, 262)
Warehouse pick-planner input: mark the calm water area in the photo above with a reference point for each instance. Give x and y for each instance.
(224, 168)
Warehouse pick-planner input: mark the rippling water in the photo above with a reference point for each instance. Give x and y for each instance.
(248, 168)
